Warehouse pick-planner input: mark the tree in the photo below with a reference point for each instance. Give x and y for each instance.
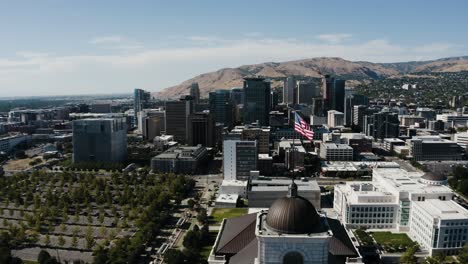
(436, 259)
(47, 240)
(191, 203)
(409, 256)
(202, 217)
(89, 237)
(61, 241)
(174, 256)
(463, 255)
(44, 257)
(192, 240)
(74, 242)
(101, 255)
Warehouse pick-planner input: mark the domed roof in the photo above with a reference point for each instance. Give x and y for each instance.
(430, 176)
(293, 215)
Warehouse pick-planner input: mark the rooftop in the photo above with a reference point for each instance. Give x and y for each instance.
(445, 210)
(398, 180)
(336, 146)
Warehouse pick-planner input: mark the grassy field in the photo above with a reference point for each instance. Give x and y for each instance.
(219, 214)
(205, 251)
(21, 164)
(388, 239)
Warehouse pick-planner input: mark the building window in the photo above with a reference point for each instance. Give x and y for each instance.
(293, 258)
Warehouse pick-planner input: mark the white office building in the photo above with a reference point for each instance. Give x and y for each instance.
(439, 226)
(335, 118)
(336, 152)
(413, 202)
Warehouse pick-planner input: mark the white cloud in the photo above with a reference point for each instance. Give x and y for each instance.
(116, 43)
(334, 38)
(107, 40)
(154, 69)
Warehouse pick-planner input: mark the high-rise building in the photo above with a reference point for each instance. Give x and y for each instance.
(201, 129)
(237, 95)
(384, 124)
(153, 125)
(100, 140)
(306, 91)
(239, 159)
(140, 100)
(333, 92)
(318, 107)
(195, 92)
(350, 102)
(359, 116)
(250, 133)
(222, 107)
(289, 91)
(177, 113)
(256, 101)
(274, 97)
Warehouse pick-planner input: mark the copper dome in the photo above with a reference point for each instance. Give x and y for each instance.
(293, 215)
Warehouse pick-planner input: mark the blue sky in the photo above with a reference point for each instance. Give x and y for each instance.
(88, 47)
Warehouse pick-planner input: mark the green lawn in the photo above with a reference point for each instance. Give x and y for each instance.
(392, 241)
(219, 214)
(205, 251)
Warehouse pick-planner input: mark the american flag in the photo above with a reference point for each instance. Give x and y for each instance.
(301, 127)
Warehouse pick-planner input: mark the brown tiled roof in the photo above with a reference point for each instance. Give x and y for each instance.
(340, 243)
(238, 232)
(247, 255)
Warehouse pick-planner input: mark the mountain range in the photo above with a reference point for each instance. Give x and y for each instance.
(352, 71)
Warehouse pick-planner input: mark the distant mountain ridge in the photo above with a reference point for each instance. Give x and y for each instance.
(227, 78)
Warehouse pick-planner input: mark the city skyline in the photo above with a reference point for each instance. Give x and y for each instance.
(59, 48)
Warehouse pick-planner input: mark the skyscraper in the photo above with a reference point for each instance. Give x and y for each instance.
(350, 102)
(177, 113)
(384, 124)
(201, 129)
(256, 101)
(100, 140)
(222, 107)
(289, 91)
(306, 90)
(140, 100)
(153, 124)
(237, 95)
(338, 95)
(333, 92)
(195, 92)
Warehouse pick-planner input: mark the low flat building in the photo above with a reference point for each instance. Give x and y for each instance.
(7, 144)
(161, 143)
(354, 168)
(433, 148)
(390, 143)
(227, 201)
(335, 152)
(263, 192)
(234, 187)
(181, 160)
